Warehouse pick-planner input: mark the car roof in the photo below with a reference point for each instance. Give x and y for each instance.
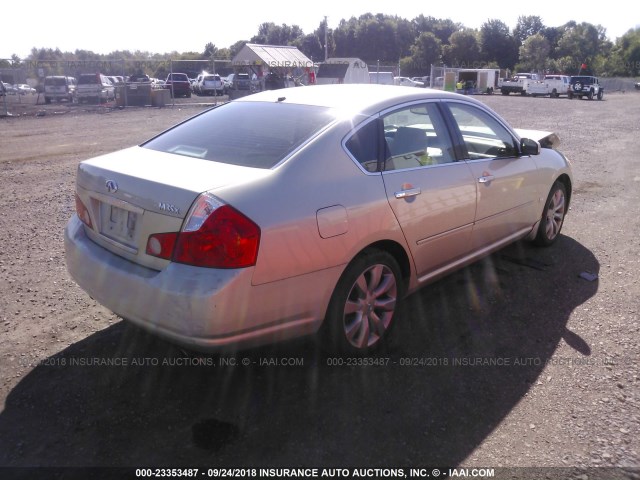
(363, 98)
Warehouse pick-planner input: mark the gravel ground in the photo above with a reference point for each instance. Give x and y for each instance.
(517, 361)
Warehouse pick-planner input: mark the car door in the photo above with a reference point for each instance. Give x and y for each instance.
(506, 183)
(432, 194)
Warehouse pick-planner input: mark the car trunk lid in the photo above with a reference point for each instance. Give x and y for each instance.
(134, 193)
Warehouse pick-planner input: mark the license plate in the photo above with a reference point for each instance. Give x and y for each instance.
(119, 224)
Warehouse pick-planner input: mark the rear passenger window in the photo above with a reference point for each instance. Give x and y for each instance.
(363, 145)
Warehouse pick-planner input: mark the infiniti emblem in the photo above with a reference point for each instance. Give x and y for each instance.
(112, 186)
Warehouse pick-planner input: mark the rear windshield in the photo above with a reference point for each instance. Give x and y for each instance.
(251, 134)
(88, 79)
(57, 81)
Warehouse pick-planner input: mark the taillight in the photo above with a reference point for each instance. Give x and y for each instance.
(83, 212)
(214, 235)
(162, 244)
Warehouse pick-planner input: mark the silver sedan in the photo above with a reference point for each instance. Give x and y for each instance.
(307, 211)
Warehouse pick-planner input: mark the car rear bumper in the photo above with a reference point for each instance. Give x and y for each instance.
(95, 93)
(58, 94)
(201, 308)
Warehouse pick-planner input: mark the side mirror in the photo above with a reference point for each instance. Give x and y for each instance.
(529, 147)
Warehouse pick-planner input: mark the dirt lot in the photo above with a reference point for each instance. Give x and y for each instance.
(517, 361)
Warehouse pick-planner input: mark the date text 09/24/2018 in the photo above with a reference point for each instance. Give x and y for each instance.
(372, 473)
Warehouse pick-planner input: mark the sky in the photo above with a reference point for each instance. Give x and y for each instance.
(162, 27)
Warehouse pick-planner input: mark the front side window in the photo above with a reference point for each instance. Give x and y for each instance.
(416, 136)
(484, 137)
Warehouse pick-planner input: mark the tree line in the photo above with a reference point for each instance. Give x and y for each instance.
(414, 45)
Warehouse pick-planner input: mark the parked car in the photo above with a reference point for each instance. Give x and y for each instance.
(406, 82)
(178, 84)
(9, 89)
(242, 81)
(58, 87)
(382, 78)
(209, 84)
(424, 80)
(228, 82)
(95, 87)
(139, 78)
(289, 217)
(24, 89)
(274, 81)
(585, 86)
(116, 79)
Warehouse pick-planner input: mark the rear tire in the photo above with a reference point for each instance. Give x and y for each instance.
(555, 209)
(364, 304)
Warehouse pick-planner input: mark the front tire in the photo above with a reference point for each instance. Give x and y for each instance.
(553, 215)
(364, 304)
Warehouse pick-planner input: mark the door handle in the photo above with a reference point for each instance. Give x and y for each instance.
(412, 192)
(486, 179)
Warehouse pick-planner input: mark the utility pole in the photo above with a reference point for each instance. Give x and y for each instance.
(326, 48)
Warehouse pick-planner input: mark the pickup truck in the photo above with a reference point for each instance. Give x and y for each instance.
(552, 85)
(519, 83)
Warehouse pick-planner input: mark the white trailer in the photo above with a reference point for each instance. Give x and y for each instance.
(477, 80)
(342, 70)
